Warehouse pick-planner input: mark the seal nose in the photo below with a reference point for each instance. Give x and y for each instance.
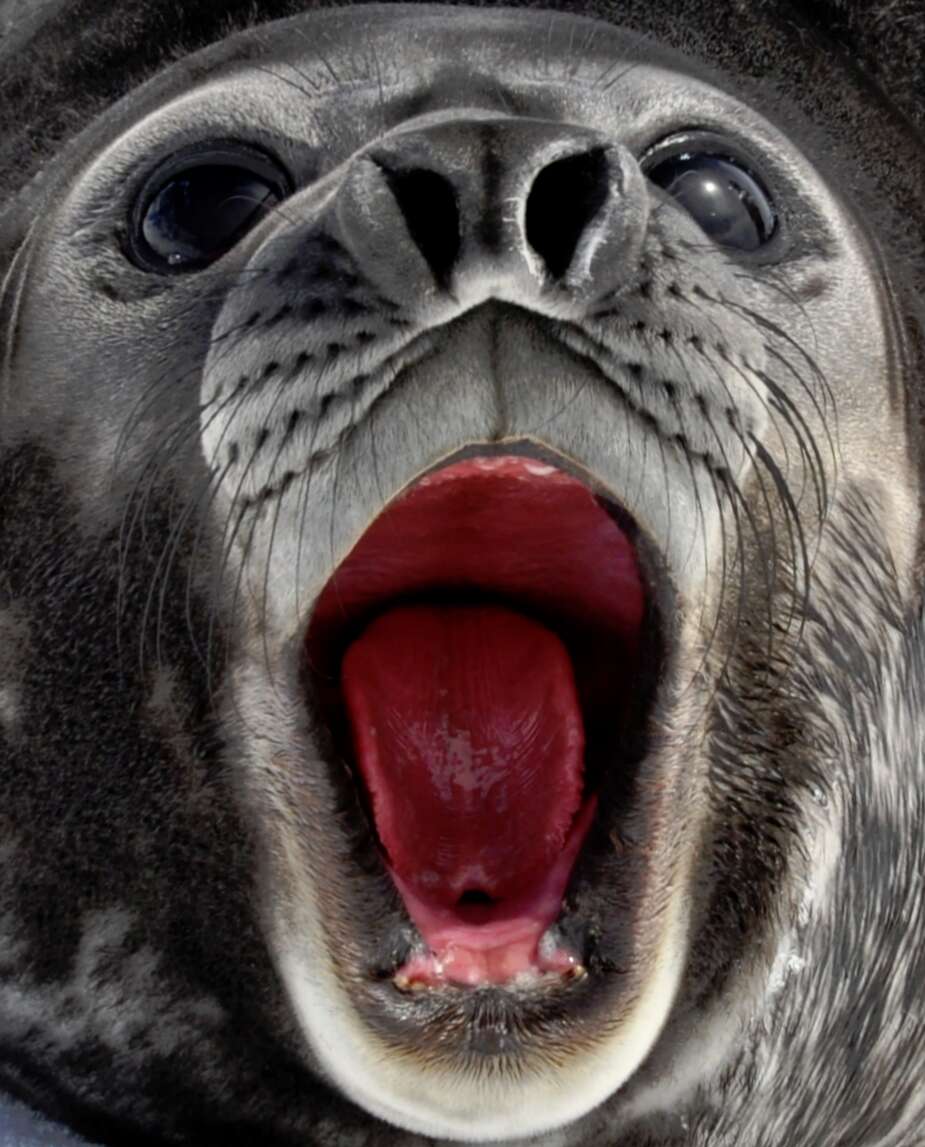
(497, 206)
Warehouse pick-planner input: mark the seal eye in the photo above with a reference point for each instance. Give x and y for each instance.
(723, 196)
(197, 207)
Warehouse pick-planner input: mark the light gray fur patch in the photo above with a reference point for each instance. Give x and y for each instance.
(120, 999)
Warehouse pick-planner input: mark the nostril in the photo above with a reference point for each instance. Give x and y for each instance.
(563, 200)
(431, 212)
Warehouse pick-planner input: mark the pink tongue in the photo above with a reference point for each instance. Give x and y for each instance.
(469, 736)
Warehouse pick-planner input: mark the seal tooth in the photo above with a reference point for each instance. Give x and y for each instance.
(408, 984)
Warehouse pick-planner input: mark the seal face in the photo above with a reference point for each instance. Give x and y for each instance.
(456, 603)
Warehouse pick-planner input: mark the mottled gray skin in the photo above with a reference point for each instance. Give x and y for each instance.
(194, 919)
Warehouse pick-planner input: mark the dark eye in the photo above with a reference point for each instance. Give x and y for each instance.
(725, 198)
(195, 208)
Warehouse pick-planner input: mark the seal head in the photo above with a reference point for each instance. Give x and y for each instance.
(461, 653)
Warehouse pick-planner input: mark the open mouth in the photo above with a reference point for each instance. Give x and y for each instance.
(483, 660)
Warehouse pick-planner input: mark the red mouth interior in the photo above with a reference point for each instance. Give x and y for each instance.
(483, 630)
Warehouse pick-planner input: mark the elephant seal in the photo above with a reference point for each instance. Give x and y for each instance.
(461, 658)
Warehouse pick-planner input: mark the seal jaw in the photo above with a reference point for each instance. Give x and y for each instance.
(501, 1088)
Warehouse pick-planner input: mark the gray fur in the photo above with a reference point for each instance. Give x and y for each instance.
(191, 906)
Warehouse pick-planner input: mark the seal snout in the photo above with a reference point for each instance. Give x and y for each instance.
(494, 204)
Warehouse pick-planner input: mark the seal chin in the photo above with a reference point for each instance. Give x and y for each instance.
(478, 1099)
